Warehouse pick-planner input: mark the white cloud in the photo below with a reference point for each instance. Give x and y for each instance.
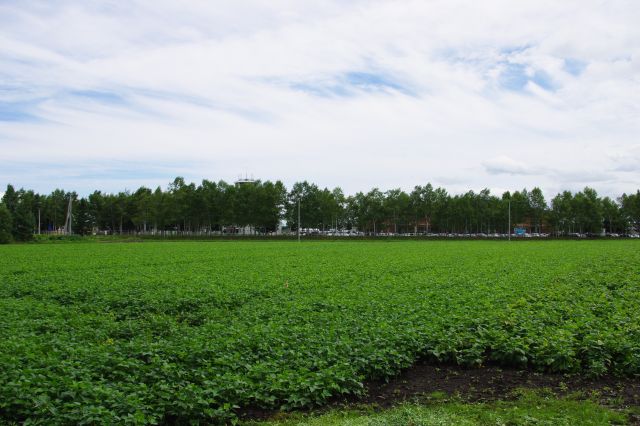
(357, 94)
(506, 165)
(626, 160)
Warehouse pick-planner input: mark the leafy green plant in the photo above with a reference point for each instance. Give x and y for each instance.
(178, 332)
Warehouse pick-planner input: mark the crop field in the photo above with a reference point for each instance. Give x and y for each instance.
(188, 331)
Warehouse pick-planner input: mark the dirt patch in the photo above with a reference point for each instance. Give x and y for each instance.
(492, 383)
(482, 385)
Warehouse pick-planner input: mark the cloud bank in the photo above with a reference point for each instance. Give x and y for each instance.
(358, 94)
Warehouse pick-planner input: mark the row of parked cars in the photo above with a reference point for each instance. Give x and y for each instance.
(474, 235)
(332, 232)
(608, 235)
(354, 233)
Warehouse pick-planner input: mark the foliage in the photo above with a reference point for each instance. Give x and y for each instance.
(6, 225)
(260, 207)
(179, 332)
(631, 208)
(21, 218)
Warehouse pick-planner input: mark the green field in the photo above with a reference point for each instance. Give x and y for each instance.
(165, 332)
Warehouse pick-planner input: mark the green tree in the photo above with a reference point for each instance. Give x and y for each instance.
(6, 225)
(269, 205)
(562, 215)
(84, 219)
(141, 208)
(23, 222)
(612, 214)
(336, 209)
(587, 209)
(424, 205)
(55, 209)
(97, 206)
(158, 207)
(181, 201)
(538, 206)
(520, 208)
(10, 199)
(311, 214)
(397, 209)
(373, 210)
(213, 198)
(20, 205)
(630, 206)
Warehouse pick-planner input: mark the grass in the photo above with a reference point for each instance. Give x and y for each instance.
(531, 408)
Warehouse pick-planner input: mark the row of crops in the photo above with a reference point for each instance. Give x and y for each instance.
(176, 332)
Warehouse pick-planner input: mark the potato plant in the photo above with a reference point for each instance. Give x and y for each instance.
(195, 332)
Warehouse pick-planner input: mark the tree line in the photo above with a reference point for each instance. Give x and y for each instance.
(262, 206)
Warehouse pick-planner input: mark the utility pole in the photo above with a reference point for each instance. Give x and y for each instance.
(38, 220)
(509, 220)
(298, 219)
(69, 219)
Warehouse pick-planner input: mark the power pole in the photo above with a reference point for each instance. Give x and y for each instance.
(69, 219)
(298, 219)
(509, 219)
(38, 220)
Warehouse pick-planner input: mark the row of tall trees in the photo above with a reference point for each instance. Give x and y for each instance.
(434, 210)
(263, 206)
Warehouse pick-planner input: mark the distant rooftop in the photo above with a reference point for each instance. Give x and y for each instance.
(244, 180)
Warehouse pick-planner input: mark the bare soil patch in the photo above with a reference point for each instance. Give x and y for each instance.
(483, 385)
(492, 383)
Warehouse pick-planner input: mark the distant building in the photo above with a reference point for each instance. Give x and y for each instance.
(244, 230)
(245, 180)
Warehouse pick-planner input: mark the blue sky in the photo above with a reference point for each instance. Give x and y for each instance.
(352, 84)
(359, 94)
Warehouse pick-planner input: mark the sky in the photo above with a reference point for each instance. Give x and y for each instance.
(496, 94)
